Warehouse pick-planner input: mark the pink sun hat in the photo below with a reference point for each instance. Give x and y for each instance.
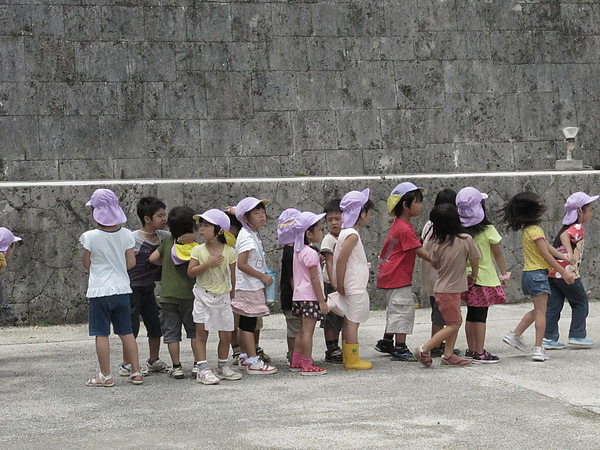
(303, 222)
(351, 205)
(285, 235)
(107, 211)
(574, 202)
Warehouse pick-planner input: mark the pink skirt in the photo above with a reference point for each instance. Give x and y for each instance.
(250, 303)
(482, 296)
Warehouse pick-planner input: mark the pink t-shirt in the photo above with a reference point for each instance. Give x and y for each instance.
(397, 258)
(303, 288)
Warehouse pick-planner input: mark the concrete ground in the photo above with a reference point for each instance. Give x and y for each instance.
(517, 403)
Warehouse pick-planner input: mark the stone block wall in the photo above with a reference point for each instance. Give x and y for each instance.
(45, 280)
(123, 89)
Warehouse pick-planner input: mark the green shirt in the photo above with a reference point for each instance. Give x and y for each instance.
(487, 275)
(175, 285)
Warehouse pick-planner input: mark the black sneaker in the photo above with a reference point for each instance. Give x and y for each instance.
(334, 357)
(260, 352)
(385, 346)
(403, 354)
(438, 351)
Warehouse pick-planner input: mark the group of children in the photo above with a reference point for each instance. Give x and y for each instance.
(219, 284)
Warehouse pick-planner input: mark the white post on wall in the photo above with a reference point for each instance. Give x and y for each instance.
(569, 163)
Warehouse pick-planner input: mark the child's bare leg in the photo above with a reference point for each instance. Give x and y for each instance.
(173, 348)
(130, 351)
(350, 332)
(291, 342)
(224, 341)
(451, 340)
(199, 343)
(154, 348)
(540, 303)
(525, 322)
(103, 353)
(441, 336)
(305, 337)
(257, 338)
(435, 329)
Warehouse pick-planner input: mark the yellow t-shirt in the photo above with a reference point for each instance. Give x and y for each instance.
(533, 257)
(216, 280)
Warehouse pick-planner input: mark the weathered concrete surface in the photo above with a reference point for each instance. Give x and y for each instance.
(516, 403)
(46, 282)
(123, 89)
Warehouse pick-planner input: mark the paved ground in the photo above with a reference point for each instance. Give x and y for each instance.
(514, 404)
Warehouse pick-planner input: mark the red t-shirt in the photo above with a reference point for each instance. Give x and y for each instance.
(397, 258)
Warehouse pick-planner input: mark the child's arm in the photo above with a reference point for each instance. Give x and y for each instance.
(546, 253)
(85, 259)
(565, 240)
(186, 238)
(499, 257)
(130, 257)
(423, 254)
(472, 277)
(342, 262)
(329, 268)
(195, 268)
(232, 272)
(555, 253)
(316, 285)
(155, 258)
(243, 265)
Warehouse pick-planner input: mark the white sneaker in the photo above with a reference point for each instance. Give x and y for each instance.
(177, 373)
(227, 373)
(515, 341)
(207, 377)
(260, 368)
(157, 366)
(539, 354)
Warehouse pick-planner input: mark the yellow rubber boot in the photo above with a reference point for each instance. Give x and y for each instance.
(351, 358)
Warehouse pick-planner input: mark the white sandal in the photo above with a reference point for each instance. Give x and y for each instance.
(104, 381)
(133, 375)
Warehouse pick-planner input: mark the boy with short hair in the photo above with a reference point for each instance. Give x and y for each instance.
(143, 277)
(396, 265)
(331, 323)
(177, 297)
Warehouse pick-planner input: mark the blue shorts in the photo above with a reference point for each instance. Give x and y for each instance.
(112, 308)
(535, 282)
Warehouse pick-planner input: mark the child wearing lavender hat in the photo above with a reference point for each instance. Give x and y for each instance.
(351, 275)
(7, 241)
(570, 239)
(107, 254)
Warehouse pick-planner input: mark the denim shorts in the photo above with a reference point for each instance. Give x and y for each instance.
(535, 282)
(113, 309)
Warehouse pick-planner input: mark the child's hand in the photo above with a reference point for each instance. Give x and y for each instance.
(568, 277)
(186, 238)
(323, 307)
(266, 279)
(504, 283)
(215, 260)
(471, 280)
(571, 258)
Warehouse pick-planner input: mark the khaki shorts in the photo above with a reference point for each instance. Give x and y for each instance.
(400, 315)
(293, 323)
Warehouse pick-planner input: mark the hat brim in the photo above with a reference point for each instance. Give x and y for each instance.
(109, 215)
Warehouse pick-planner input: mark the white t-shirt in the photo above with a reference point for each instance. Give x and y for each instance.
(328, 246)
(108, 264)
(248, 241)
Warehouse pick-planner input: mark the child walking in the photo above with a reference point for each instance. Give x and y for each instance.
(429, 274)
(396, 266)
(451, 248)
(332, 323)
(487, 290)
(213, 265)
(7, 246)
(570, 240)
(107, 254)
(309, 295)
(524, 212)
(285, 237)
(251, 278)
(351, 276)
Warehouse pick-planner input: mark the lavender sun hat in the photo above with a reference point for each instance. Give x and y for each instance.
(245, 205)
(574, 202)
(303, 222)
(470, 209)
(219, 218)
(106, 211)
(285, 234)
(7, 238)
(351, 206)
